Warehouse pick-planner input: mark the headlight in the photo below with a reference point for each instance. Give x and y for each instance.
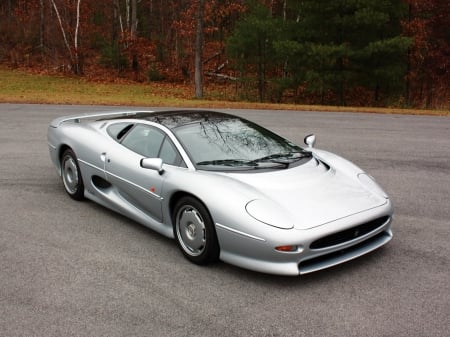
(371, 185)
(269, 213)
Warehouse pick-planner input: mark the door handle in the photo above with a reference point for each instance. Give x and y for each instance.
(103, 157)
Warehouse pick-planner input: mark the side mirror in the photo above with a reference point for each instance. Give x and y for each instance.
(153, 164)
(310, 140)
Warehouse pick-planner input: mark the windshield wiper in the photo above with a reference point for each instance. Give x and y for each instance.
(277, 159)
(283, 158)
(241, 163)
(229, 162)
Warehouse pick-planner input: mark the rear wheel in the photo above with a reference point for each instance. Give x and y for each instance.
(194, 231)
(71, 175)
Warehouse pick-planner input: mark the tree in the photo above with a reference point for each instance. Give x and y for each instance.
(251, 44)
(429, 57)
(337, 45)
(73, 50)
(41, 25)
(199, 49)
(328, 51)
(189, 29)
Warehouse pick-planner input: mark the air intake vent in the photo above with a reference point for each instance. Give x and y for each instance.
(349, 234)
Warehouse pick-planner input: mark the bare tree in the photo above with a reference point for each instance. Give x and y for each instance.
(41, 25)
(133, 34)
(77, 29)
(134, 23)
(74, 56)
(198, 75)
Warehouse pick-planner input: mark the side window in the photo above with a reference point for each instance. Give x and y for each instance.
(145, 140)
(118, 130)
(169, 154)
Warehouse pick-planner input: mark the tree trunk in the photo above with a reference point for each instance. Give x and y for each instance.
(10, 9)
(63, 31)
(133, 27)
(198, 50)
(133, 33)
(261, 76)
(77, 66)
(430, 94)
(341, 81)
(41, 27)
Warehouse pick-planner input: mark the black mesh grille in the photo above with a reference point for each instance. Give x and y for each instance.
(348, 234)
(319, 261)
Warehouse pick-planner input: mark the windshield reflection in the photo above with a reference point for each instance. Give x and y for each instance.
(230, 139)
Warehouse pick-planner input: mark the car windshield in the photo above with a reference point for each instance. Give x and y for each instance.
(234, 143)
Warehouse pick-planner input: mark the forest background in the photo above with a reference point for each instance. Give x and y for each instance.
(393, 53)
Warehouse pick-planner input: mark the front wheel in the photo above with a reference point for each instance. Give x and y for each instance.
(71, 175)
(194, 231)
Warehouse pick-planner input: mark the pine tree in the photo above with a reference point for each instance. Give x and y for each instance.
(251, 44)
(336, 45)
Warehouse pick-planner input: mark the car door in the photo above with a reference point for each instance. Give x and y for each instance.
(138, 186)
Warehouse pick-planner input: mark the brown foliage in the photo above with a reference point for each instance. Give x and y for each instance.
(429, 59)
(163, 48)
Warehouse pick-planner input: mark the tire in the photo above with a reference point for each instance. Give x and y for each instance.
(195, 232)
(71, 175)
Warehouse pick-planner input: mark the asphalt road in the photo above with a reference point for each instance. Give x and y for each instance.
(77, 269)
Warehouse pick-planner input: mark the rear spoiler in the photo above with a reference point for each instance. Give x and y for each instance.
(77, 118)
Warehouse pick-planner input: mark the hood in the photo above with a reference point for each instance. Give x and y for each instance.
(312, 194)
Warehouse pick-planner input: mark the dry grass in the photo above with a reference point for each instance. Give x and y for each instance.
(18, 86)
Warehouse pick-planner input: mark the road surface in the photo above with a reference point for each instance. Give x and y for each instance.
(77, 269)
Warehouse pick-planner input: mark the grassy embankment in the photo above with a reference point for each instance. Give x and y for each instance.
(22, 87)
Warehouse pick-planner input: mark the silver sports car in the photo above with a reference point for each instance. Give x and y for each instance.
(224, 188)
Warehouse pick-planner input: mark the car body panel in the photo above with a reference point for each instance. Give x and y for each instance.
(135, 183)
(253, 211)
(311, 194)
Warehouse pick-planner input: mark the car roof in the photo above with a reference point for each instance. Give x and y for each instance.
(176, 118)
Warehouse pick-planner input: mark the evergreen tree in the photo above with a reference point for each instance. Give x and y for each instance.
(251, 44)
(335, 45)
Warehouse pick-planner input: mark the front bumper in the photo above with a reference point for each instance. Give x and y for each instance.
(259, 253)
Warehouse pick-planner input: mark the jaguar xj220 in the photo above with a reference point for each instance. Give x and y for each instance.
(224, 188)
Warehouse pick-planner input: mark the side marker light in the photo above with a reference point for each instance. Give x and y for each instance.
(286, 248)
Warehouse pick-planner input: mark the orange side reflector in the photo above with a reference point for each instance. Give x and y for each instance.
(286, 248)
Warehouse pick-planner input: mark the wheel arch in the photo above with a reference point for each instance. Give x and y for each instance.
(175, 197)
(58, 157)
(61, 151)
